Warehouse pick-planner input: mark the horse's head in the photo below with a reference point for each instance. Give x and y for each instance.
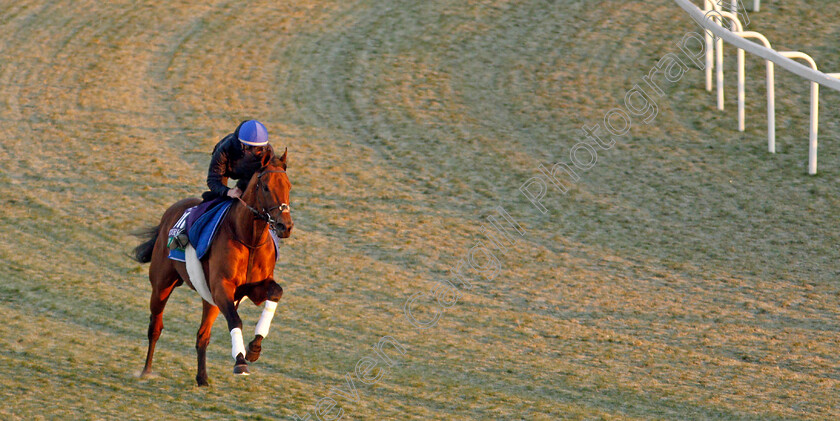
(268, 194)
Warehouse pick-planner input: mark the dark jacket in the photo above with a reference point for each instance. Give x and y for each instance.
(228, 161)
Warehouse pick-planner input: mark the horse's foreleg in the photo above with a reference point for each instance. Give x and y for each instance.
(274, 292)
(208, 316)
(224, 298)
(157, 302)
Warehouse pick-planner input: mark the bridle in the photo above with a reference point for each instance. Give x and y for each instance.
(265, 214)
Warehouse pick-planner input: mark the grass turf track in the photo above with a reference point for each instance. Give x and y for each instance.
(688, 275)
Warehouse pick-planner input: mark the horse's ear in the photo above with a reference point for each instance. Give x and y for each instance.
(283, 158)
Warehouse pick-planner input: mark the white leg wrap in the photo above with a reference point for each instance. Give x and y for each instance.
(265, 318)
(238, 343)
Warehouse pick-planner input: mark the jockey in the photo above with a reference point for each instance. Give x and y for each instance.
(231, 157)
(236, 156)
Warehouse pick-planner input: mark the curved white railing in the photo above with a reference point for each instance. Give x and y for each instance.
(815, 110)
(771, 94)
(720, 15)
(711, 20)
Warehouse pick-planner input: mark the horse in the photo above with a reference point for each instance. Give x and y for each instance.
(239, 264)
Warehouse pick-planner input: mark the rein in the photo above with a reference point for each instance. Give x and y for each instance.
(265, 214)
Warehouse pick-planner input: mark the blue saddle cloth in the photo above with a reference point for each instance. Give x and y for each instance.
(204, 228)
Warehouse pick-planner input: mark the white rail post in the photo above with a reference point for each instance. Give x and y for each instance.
(770, 84)
(815, 106)
(719, 72)
(718, 15)
(740, 89)
(733, 8)
(709, 63)
(756, 5)
(771, 107)
(707, 6)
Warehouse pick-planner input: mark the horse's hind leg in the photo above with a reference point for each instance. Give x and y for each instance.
(272, 292)
(208, 316)
(160, 294)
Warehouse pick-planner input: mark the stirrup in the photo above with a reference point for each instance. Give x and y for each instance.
(179, 241)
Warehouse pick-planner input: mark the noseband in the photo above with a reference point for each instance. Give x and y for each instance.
(265, 214)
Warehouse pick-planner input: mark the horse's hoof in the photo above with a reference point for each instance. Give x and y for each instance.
(241, 370)
(241, 367)
(201, 379)
(253, 353)
(252, 356)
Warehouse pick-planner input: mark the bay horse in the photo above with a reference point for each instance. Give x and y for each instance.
(239, 264)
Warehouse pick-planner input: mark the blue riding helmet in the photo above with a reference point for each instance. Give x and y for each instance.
(253, 133)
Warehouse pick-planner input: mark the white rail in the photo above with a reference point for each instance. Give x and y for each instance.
(771, 95)
(710, 20)
(815, 110)
(719, 15)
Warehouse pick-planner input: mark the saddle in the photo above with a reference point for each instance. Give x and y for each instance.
(202, 223)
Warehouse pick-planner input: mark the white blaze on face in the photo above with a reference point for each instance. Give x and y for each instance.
(237, 342)
(265, 318)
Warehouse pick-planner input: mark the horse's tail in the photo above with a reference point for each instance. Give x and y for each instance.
(143, 252)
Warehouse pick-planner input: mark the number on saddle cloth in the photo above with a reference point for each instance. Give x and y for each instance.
(179, 228)
(181, 225)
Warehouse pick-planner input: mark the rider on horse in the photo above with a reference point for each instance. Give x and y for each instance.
(236, 156)
(243, 227)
